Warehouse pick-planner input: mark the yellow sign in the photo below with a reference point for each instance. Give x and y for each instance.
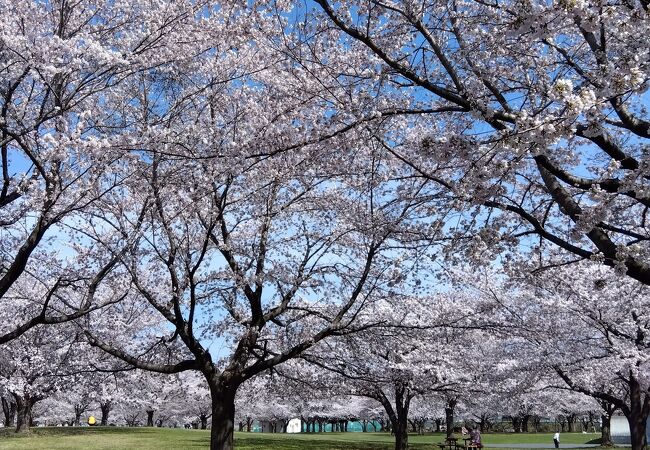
(91, 421)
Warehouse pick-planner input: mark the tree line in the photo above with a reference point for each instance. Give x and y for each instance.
(391, 198)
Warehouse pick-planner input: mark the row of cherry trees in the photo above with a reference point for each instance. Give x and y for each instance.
(485, 350)
(223, 188)
(130, 397)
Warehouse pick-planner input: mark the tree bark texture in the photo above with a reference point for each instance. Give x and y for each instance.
(23, 413)
(105, 407)
(605, 431)
(9, 410)
(638, 432)
(449, 415)
(223, 416)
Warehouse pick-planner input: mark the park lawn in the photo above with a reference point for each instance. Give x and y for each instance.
(105, 438)
(539, 438)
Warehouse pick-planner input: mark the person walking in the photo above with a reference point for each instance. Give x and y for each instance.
(556, 439)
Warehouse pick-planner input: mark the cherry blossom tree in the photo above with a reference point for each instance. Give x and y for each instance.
(255, 343)
(80, 396)
(421, 412)
(589, 328)
(52, 411)
(238, 176)
(367, 411)
(66, 132)
(159, 394)
(532, 114)
(416, 352)
(268, 254)
(36, 366)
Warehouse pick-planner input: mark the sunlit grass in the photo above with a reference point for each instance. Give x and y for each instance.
(105, 438)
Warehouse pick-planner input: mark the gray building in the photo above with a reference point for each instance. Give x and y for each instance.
(620, 429)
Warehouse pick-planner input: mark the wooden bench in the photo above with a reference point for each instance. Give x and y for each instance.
(470, 445)
(450, 444)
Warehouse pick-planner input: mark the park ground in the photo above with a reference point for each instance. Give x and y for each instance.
(105, 438)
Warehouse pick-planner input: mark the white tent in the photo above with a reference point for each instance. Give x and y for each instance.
(295, 426)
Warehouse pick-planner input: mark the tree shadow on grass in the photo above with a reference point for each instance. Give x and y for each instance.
(72, 431)
(274, 444)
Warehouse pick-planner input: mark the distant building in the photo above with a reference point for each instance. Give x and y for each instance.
(620, 430)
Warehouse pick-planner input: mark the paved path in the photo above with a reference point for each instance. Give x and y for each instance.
(540, 445)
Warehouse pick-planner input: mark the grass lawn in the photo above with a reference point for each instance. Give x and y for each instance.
(105, 438)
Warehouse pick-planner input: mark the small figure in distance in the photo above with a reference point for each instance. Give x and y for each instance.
(556, 439)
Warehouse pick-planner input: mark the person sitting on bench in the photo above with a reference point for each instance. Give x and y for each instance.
(475, 436)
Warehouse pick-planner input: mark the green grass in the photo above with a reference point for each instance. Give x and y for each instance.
(106, 438)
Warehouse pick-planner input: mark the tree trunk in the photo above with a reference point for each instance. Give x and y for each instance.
(638, 432)
(150, 417)
(438, 424)
(105, 407)
(592, 422)
(401, 435)
(524, 423)
(399, 414)
(223, 415)
(605, 431)
(400, 426)
(449, 415)
(9, 410)
(23, 413)
(204, 421)
(570, 420)
(516, 424)
(637, 413)
(132, 419)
